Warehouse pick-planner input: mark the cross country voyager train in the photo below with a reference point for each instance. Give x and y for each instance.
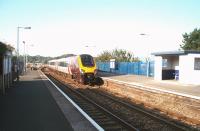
(82, 68)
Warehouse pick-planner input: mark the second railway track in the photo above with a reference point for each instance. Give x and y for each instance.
(112, 114)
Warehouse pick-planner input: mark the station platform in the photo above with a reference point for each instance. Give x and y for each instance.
(33, 104)
(169, 86)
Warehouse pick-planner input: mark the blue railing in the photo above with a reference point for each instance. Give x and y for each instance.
(136, 68)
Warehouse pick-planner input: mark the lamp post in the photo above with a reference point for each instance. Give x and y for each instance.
(18, 48)
(147, 59)
(24, 56)
(27, 50)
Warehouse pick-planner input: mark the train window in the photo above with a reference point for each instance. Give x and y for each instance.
(63, 64)
(60, 64)
(87, 60)
(66, 64)
(52, 63)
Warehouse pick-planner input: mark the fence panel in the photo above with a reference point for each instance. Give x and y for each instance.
(122, 68)
(136, 68)
(103, 66)
(143, 68)
(130, 68)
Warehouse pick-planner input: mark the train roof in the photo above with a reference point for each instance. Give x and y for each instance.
(66, 58)
(58, 60)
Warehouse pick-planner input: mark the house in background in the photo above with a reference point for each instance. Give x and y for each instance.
(5, 66)
(183, 66)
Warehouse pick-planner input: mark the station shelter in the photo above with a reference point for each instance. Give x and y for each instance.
(183, 66)
(5, 67)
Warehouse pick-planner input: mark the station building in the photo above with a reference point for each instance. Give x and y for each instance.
(183, 66)
(5, 67)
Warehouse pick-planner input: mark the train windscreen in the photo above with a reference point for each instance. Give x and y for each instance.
(87, 60)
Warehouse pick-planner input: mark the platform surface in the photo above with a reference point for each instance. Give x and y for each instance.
(29, 105)
(149, 82)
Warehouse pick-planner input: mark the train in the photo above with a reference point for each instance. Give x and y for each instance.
(81, 67)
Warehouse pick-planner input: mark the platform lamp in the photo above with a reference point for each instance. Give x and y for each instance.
(24, 56)
(148, 59)
(18, 48)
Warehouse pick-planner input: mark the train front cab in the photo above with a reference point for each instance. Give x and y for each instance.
(88, 69)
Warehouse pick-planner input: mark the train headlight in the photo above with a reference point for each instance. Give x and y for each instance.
(82, 71)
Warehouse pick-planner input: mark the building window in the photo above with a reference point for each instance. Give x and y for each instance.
(164, 63)
(196, 63)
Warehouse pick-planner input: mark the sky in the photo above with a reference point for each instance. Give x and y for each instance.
(93, 26)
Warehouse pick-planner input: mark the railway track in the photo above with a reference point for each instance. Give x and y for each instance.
(128, 111)
(106, 119)
(113, 114)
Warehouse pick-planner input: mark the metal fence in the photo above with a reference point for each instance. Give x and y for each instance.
(136, 68)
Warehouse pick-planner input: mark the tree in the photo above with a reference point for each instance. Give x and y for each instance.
(191, 41)
(104, 56)
(122, 55)
(119, 55)
(5, 47)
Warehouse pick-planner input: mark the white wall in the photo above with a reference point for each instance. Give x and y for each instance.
(187, 74)
(158, 68)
